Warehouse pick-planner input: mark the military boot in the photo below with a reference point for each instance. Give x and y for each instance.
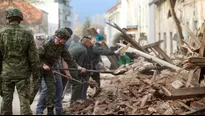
(50, 111)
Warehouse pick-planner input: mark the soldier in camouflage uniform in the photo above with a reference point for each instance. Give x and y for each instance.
(20, 60)
(59, 87)
(49, 53)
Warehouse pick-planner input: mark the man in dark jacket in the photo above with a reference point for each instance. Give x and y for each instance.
(80, 55)
(97, 52)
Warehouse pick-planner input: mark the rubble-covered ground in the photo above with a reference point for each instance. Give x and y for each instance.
(134, 93)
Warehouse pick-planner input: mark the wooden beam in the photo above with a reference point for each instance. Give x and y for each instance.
(185, 93)
(177, 23)
(153, 58)
(153, 44)
(201, 50)
(164, 55)
(128, 38)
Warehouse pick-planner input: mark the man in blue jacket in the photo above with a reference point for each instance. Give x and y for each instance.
(96, 58)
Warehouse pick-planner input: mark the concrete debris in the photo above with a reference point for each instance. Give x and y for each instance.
(177, 84)
(134, 93)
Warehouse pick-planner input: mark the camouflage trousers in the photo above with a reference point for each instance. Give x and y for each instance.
(8, 88)
(34, 88)
(50, 81)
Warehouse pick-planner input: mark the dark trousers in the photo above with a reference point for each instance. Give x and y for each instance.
(96, 77)
(76, 93)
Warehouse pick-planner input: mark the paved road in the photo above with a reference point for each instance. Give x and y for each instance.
(16, 104)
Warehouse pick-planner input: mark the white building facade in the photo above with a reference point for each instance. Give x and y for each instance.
(189, 12)
(134, 15)
(60, 14)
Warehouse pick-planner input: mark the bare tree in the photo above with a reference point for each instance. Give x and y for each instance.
(86, 25)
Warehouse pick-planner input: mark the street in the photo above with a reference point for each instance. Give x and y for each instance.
(16, 103)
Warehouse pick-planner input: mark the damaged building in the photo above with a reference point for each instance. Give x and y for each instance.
(35, 19)
(189, 12)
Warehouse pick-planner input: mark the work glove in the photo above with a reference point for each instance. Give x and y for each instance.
(82, 69)
(118, 50)
(127, 65)
(46, 67)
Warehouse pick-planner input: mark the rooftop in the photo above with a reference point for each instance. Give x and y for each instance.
(114, 7)
(31, 14)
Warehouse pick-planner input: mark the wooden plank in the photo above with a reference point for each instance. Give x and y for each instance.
(164, 55)
(154, 52)
(191, 34)
(200, 111)
(128, 38)
(159, 50)
(124, 49)
(150, 57)
(196, 60)
(177, 23)
(201, 50)
(153, 44)
(186, 106)
(190, 76)
(167, 91)
(189, 91)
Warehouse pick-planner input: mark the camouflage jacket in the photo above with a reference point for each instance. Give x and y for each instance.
(50, 53)
(20, 57)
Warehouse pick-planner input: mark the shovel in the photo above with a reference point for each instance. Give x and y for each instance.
(92, 83)
(97, 71)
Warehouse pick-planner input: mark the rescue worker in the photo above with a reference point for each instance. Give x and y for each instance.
(49, 53)
(20, 60)
(96, 58)
(124, 60)
(59, 88)
(80, 55)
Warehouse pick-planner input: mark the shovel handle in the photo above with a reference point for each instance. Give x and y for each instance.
(94, 71)
(66, 77)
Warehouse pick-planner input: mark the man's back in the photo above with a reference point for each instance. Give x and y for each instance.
(79, 53)
(14, 44)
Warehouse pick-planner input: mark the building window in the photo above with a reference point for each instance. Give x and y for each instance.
(171, 43)
(165, 42)
(159, 36)
(195, 25)
(187, 35)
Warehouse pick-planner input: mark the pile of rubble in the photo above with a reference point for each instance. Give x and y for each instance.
(137, 93)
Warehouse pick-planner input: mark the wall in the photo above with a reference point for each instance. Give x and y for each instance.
(65, 17)
(112, 16)
(151, 25)
(52, 10)
(189, 12)
(137, 17)
(59, 14)
(42, 27)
